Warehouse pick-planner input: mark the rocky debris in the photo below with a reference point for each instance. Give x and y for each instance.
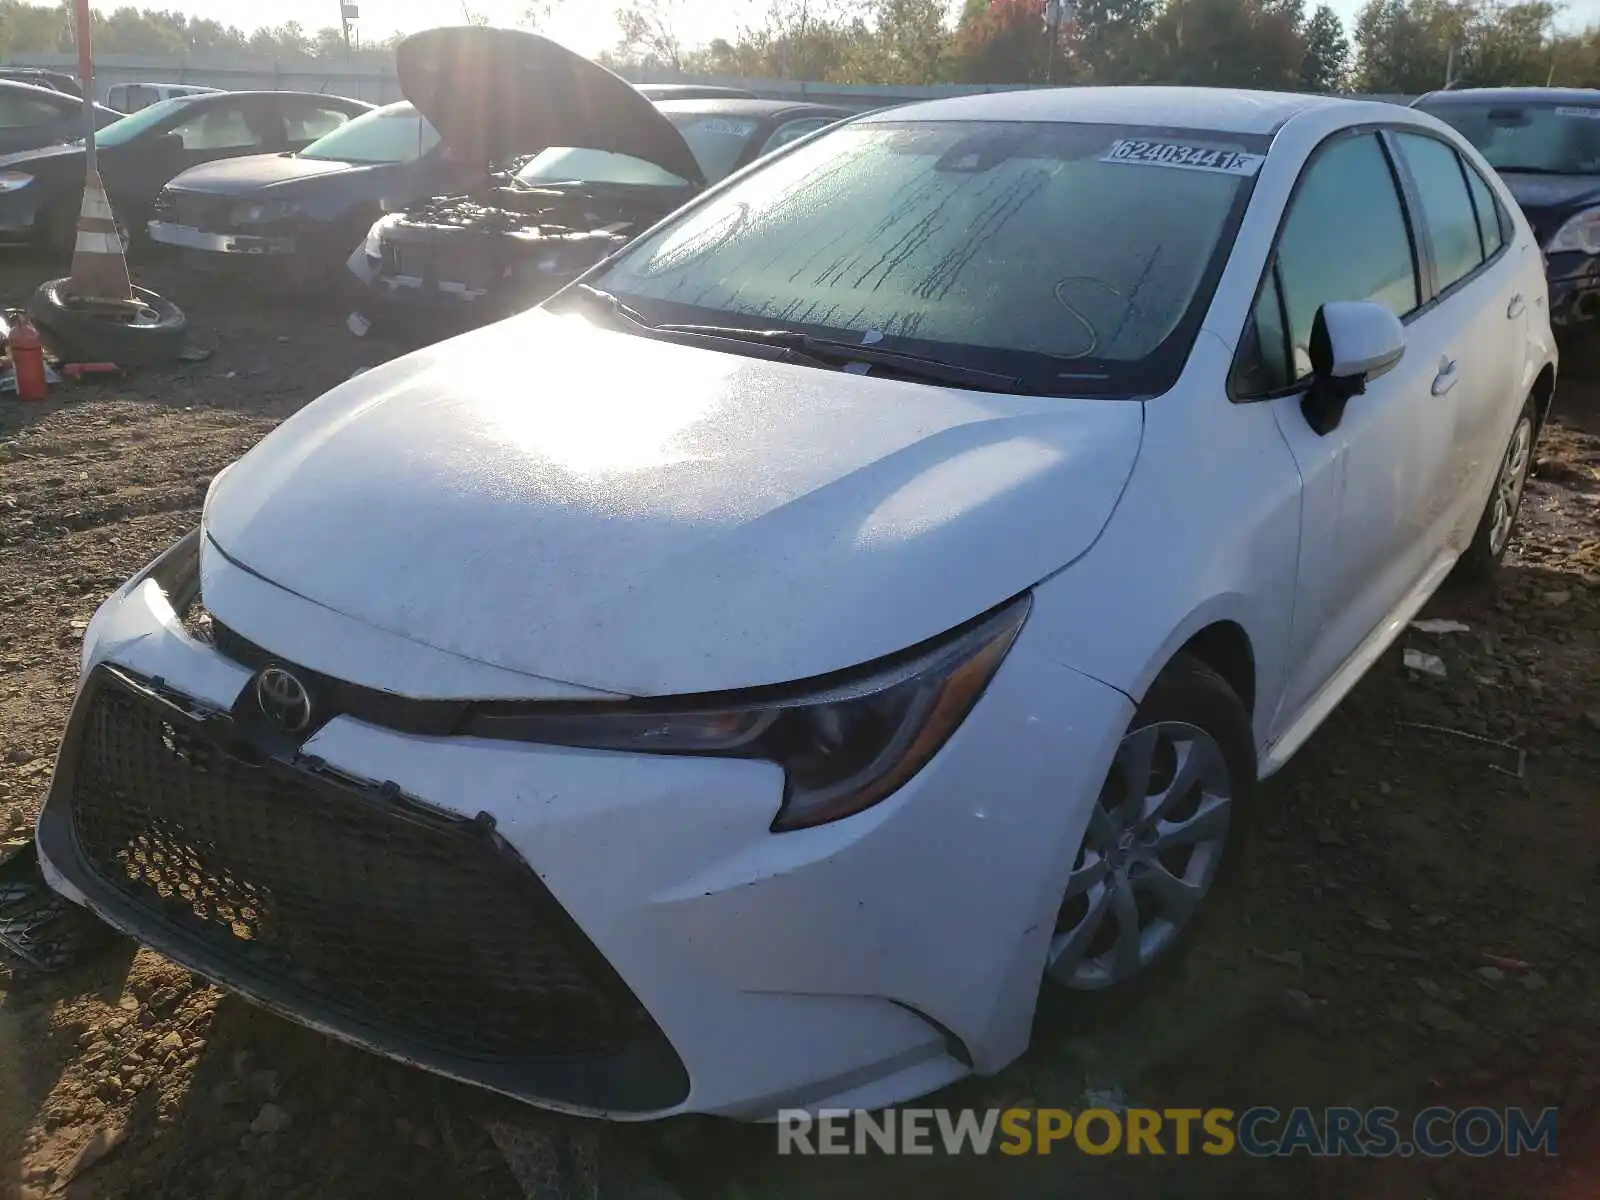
(271, 1119)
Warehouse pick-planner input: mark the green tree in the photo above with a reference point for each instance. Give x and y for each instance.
(1225, 43)
(648, 33)
(1000, 41)
(1327, 58)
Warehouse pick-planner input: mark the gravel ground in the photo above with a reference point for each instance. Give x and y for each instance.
(1347, 965)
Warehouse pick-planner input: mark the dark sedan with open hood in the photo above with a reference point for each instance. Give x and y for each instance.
(295, 216)
(1545, 143)
(590, 162)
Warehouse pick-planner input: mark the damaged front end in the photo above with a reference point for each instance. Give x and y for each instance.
(599, 164)
(484, 256)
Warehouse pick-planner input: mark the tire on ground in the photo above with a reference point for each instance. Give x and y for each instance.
(1189, 690)
(1481, 560)
(77, 335)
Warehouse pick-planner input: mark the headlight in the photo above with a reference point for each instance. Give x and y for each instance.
(843, 744)
(1581, 232)
(374, 244)
(11, 181)
(264, 212)
(176, 571)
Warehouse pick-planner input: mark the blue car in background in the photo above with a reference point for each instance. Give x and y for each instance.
(1545, 143)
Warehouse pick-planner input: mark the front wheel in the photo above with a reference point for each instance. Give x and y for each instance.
(1167, 819)
(1499, 518)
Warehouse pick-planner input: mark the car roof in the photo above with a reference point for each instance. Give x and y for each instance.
(1515, 95)
(216, 97)
(1227, 110)
(759, 110)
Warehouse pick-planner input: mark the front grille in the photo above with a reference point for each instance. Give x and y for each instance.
(207, 213)
(364, 908)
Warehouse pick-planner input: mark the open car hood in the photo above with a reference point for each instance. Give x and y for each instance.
(495, 94)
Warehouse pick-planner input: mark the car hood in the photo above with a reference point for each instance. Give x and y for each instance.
(495, 94)
(1534, 192)
(643, 518)
(245, 176)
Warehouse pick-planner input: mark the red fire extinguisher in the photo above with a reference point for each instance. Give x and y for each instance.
(27, 357)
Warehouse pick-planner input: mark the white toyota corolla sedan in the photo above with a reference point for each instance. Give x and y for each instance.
(869, 598)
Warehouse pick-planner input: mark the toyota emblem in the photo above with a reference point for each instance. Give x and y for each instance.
(283, 700)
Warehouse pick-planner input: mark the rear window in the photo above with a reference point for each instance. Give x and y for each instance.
(1077, 256)
(1544, 138)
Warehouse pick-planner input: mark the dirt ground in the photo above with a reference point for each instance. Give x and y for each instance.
(1346, 966)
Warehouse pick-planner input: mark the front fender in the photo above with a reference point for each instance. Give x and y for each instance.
(1208, 530)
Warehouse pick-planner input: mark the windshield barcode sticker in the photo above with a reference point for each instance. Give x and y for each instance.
(1591, 114)
(724, 126)
(1183, 156)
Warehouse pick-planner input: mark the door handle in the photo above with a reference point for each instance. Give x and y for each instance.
(1446, 378)
(1514, 309)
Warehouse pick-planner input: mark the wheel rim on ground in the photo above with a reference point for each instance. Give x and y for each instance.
(1509, 485)
(1149, 857)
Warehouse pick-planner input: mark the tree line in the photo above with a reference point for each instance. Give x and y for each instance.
(1395, 46)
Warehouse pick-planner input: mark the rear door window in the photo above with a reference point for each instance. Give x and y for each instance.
(1491, 221)
(1447, 211)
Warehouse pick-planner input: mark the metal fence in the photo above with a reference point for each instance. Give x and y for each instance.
(373, 79)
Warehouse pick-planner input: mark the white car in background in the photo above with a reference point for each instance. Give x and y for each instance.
(131, 97)
(869, 597)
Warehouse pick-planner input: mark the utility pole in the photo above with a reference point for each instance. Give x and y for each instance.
(348, 11)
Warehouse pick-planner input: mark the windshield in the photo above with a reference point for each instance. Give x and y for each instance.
(1545, 138)
(1078, 257)
(395, 133)
(125, 130)
(717, 143)
(568, 164)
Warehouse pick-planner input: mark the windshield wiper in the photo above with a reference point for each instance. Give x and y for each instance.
(695, 335)
(843, 354)
(611, 305)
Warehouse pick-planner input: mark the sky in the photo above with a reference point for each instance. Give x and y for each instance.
(587, 26)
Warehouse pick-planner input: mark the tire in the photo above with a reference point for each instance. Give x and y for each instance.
(148, 334)
(1495, 527)
(1189, 700)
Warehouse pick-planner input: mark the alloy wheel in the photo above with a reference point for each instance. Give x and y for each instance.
(1508, 486)
(1149, 857)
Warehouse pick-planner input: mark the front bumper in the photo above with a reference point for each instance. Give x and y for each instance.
(187, 237)
(852, 965)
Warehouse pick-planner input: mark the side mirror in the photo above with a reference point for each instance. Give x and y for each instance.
(169, 145)
(1353, 342)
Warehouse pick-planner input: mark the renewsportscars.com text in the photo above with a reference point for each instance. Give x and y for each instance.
(1259, 1132)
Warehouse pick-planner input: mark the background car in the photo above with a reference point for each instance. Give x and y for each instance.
(869, 597)
(597, 167)
(1545, 143)
(35, 116)
(294, 217)
(691, 91)
(41, 191)
(131, 97)
(56, 81)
